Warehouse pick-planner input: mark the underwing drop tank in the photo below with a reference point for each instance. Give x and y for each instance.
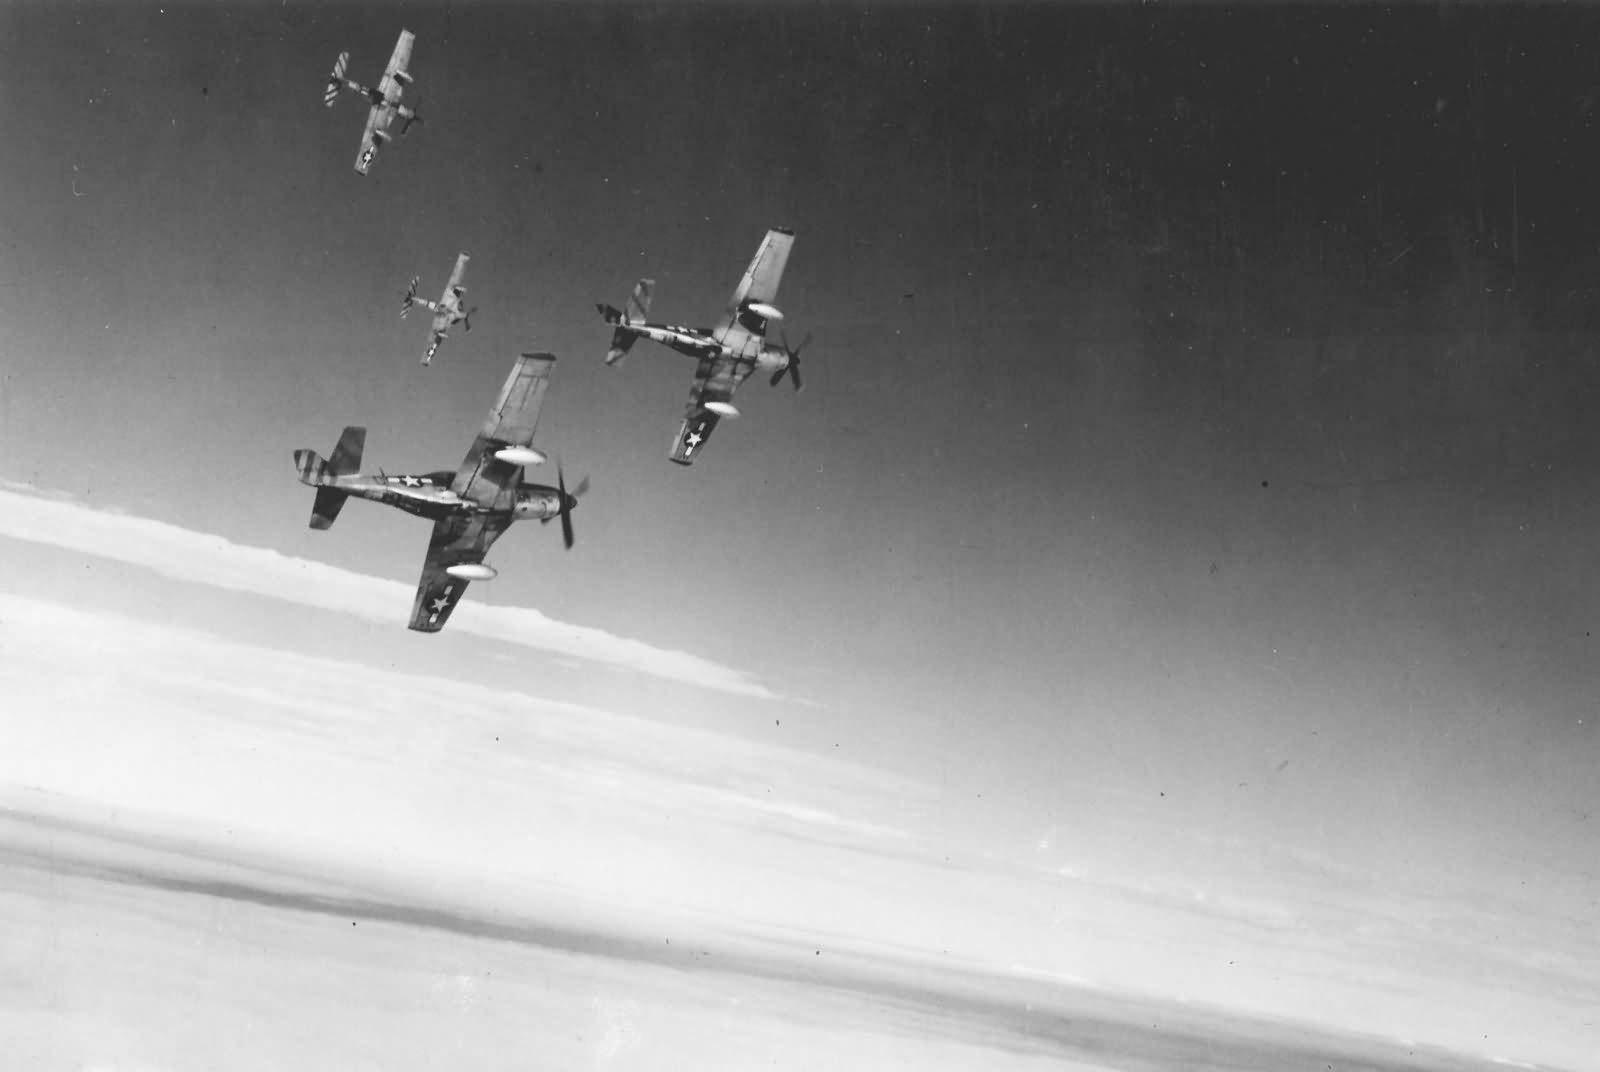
(762, 309)
(472, 571)
(723, 409)
(520, 455)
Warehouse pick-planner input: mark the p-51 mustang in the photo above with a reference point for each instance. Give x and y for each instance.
(470, 507)
(447, 311)
(728, 353)
(385, 99)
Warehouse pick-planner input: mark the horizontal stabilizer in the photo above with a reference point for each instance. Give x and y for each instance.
(622, 341)
(346, 460)
(325, 510)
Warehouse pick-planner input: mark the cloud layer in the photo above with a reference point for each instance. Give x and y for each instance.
(493, 802)
(426, 775)
(27, 513)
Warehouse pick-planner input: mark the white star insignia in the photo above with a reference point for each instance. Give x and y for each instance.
(411, 482)
(440, 604)
(694, 439)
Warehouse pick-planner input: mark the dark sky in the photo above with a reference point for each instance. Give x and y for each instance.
(1199, 409)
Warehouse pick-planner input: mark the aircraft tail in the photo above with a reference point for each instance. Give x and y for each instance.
(323, 475)
(330, 500)
(346, 460)
(638, 305)
(335, 80)
(638, 311)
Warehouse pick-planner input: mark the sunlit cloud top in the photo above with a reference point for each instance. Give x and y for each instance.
(46, 517)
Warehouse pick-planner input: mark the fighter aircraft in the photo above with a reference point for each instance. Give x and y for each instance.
(728, 353)
(470, 507)
(385, 99)
(447, 310)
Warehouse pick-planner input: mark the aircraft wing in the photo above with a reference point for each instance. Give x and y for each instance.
(483, 478)
(457, 274)
(462, 538)
(739, 324)
(717, 378)
(392, 86)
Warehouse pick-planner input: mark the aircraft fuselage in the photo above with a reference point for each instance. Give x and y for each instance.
(699, 342)
(430, 496)
(447, 313)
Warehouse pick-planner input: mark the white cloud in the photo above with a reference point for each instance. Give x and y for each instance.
(55, 519)
(439, 777)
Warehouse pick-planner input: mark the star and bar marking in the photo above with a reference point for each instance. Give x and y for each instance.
(441, 604)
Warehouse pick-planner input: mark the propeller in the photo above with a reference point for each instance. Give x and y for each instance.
(411, 295)
(568, 500)
(412, 118)
(466, 317)
(793, 367)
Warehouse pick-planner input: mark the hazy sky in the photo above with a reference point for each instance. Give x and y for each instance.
(1118, 518)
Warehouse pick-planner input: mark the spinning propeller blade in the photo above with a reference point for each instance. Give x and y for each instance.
(568, 500)
(566, 509)
(793, 367)
(411, 116)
